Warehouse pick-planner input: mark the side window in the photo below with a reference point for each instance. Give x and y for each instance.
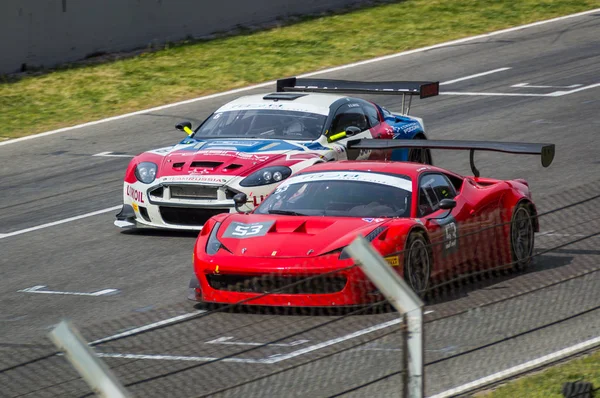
(432, 189)
(372, 114)
(349, 115)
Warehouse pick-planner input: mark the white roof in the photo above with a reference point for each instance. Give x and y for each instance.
(384, 179)
(310, 102)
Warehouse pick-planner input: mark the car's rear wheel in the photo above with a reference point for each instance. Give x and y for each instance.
(417, 263)
(521, 236)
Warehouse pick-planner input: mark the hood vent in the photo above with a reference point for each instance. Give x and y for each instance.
(373, 234)
(301, 228)
(206, 165)
(233, 166)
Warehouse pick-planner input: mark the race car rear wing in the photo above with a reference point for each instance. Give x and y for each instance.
(410, 88)
(546, 151)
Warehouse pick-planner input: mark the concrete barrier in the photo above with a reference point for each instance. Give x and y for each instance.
(45, 33)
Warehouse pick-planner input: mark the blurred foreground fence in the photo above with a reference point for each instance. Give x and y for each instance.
(479, 320)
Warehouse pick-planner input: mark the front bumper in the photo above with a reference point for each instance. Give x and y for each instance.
(282, 282)
(174, 205)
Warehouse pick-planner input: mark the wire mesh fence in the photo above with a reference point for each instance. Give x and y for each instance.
(495, 297)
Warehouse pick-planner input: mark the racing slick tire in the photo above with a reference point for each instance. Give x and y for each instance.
(417, 263)
(420, 155)
(522, 236)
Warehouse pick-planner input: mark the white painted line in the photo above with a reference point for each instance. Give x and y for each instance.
(178, 358)
(147, 327)
(377, 349)
(496, 94)
(54, 223)
(560, 93)
(553, 94)
(267, 361)
(542, 234)
(282, 357)
(37, 289)
(335, 69)
(474, 76)
(515, 370)
(113, 155)
(528, 86)
(226, 341)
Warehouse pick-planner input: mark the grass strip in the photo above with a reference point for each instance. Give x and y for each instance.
(548, 383)
(78, 94)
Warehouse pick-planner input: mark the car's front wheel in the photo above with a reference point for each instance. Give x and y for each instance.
(417, 263)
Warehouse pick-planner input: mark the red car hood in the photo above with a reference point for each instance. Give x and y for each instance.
(291, 236)
(224, 159)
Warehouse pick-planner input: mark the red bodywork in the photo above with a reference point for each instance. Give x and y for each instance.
(308, 246)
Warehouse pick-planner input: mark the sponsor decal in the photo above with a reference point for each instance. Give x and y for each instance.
(376, 178)
(235, 154)
(394, 261)
(256, 200)
(339, 148)
(196, 178)
(281, 189)
(135, 194)
(277, 105)
(451, 235)
(408, 128)
(233, 142)
(373, 219)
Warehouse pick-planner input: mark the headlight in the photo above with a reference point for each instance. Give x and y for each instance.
(145, 172)
(213, 245)
(370, 237)
(268, 175)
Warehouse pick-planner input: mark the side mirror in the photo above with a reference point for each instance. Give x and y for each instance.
(447, 204)
(352, 130)
(186, 127)
(239, 199)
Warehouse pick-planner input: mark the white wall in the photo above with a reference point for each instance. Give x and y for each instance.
(50, 32)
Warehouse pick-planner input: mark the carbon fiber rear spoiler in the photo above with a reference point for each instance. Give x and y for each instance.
(423, 89)
(546, 151)
(410, 88)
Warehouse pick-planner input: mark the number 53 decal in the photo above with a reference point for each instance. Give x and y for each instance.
(247, 230)
(241, 230)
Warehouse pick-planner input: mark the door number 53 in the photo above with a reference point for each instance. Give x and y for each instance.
(451, 235)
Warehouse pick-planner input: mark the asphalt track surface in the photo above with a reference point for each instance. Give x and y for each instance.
(517, 316)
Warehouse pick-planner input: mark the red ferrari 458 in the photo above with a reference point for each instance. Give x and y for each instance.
(426, 221)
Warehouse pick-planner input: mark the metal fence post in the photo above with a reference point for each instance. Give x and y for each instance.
(405, 300)
(96, 374)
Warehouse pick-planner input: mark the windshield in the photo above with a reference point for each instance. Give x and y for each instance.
(263, 123)
(355, 194)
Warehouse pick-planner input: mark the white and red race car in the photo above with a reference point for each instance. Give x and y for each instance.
(251, 144)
